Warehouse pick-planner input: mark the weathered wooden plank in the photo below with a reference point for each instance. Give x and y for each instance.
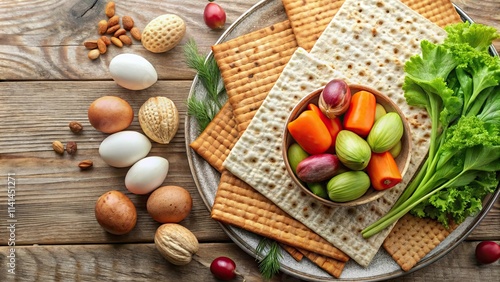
(142, 262)
(54, 199)
(44, 39)
(126, 262)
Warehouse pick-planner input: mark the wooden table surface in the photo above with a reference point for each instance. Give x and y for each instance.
(46, 81)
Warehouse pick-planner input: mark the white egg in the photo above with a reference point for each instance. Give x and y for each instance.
(146, 175)
(124, 148)
(132, 71)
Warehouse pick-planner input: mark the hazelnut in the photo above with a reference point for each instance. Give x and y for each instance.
(71, 147)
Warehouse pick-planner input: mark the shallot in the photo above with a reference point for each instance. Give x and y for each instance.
(335, 98)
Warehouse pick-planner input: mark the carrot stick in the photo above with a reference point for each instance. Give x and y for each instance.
(334, 126)
(360, 116)
(383, 171)
(310, 132)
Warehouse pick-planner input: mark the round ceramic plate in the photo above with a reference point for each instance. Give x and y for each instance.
(383, 267)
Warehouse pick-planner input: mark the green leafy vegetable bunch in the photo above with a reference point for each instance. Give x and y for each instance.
(458, 83)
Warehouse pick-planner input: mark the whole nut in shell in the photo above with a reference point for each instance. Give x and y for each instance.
(163, 33)
(75, 126)
(159, 119)
(71, 147)
(58, 147)
(176, 243)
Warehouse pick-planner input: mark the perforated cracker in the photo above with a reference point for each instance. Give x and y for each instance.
(293, 252)
(250, 65)
(412, 238)
(368, 43)
(251, 211)
(218, 138)
(440, 12)
(331, 266)
(309, 18)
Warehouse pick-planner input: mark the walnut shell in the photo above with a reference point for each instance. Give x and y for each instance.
(159, 119)
(176, 243)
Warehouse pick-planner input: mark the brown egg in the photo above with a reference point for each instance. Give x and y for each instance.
(169, 204)
(110, 114)
(116, 213)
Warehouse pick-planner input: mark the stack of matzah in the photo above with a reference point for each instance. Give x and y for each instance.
(368, 43)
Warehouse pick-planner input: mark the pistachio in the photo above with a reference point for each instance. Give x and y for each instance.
(385, 133)
(352, 150)
(348, 186)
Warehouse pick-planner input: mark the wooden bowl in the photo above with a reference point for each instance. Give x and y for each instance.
(402, 160)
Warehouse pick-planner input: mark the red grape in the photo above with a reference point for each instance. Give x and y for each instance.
(214, 16)
(487, 252)
(223, 268)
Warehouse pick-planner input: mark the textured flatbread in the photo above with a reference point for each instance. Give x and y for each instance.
(368, 43)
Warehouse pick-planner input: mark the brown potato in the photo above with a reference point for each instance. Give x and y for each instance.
(116, 213)
(169, 204)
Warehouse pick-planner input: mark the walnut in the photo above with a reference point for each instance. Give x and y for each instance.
(75, 126)
(176, 243)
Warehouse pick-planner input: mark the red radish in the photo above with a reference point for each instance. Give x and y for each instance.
(223, 268)
(214, 16)
(487, 252)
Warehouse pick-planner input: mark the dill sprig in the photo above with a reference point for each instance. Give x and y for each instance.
(204, 110)
(269, 265)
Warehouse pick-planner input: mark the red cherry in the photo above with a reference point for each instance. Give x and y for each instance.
(214, 16)
(487, 252)
(223, 268)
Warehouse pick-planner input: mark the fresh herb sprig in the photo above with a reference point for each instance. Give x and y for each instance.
(204, 110)
(269, 265)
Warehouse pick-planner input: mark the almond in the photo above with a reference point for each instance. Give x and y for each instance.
(94, 54)
(114, 20)
(109, 10)
(117, 42)
(106, 40)
(136, 33)
(125, 39)
(101, 46)
(90, 44)
(119, 32)
(128, 22)
(102, 26)
(113, 29)
(85, 164)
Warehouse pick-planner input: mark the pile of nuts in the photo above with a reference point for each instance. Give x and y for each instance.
(71, 146)
(117, 33)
